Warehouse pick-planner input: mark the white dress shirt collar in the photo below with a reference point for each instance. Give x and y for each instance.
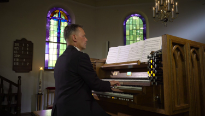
(77, 48)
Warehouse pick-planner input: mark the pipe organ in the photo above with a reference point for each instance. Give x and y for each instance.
(171, 82)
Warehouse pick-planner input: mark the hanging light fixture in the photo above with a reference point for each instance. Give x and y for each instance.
(165, 10)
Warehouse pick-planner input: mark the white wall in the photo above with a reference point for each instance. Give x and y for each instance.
(26, 18)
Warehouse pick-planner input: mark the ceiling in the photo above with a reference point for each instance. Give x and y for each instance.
(98, 3)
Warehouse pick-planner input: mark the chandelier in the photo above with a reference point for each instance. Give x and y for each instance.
(165, 10)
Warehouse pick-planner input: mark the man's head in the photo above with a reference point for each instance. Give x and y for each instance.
(75, 35)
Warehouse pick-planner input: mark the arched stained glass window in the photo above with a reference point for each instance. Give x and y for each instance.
(134, 29)
(57, 19)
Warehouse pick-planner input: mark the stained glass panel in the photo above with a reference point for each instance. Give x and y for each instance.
(134, 37)
(127, 32)
(62, 17)
(134, 32)
(131, 37)
(128, 42)
(134, 25)
(127, 37)
(130, 27)
(57, 20)
(140, 21)
(138, 32)
(138, 27)
(141, 27)
(55, 15)
(130, 20)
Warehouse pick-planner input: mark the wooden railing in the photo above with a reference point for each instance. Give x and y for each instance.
(10, 103)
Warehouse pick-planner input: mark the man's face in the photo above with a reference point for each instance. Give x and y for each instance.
(80, 39)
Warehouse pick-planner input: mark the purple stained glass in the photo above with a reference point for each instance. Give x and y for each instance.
(58, 47)
(47, 48)
(57, 39)
(144, 25)
(46, 61)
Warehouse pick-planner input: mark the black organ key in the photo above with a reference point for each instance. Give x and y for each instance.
(157, 60)
(157, 65)
(158, 75)
(159, 55)
(158, 71)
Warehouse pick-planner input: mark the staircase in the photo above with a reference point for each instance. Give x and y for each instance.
(10, 102)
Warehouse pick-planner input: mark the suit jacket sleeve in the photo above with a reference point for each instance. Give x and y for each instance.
(85, 70)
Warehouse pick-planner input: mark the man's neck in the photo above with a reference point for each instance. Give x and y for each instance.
(74, 46)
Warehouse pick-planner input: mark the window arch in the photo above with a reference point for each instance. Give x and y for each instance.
(55, 45)
(134, 29)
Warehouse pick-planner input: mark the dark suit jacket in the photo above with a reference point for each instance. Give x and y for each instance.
(74, 80)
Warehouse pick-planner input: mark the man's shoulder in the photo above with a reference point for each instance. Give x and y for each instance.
(84, 55)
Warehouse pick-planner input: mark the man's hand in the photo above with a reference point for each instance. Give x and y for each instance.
(112, 83)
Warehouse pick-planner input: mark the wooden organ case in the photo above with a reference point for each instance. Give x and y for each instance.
(177, 87)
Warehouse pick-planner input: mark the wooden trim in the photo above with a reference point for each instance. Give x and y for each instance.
(5, 79)
(122, 63)
(177, 46)
(166, 47)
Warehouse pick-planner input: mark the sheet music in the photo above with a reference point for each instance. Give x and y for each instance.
(133, 52)
(112, 55)
(123, 53)
(136, 51)
(151, 44)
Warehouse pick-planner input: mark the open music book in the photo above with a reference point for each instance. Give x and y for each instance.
(134, 52)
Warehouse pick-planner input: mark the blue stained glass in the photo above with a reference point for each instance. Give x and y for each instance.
(64, 20)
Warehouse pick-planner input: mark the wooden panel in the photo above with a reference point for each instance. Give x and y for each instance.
(179, 78)
(175, 77)
(166, 73)
(194, 85)
(203, 81)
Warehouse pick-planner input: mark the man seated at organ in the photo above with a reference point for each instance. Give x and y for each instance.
(75, 78)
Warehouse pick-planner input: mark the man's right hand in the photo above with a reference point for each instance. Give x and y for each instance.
(112, 83)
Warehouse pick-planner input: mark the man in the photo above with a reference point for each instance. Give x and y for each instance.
(75, 78)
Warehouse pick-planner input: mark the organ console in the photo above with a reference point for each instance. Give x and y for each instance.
(171, 82)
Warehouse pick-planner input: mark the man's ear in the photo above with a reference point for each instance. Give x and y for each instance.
(74, 38)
